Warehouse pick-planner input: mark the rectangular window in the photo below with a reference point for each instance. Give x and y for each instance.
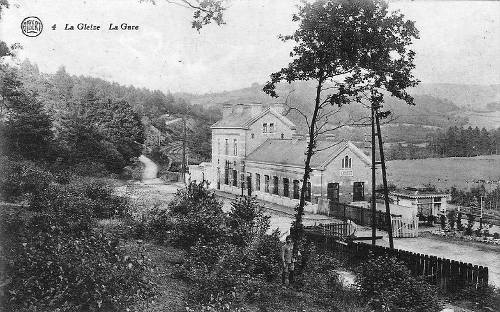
(275, 185)
(235, 178)
(358, 191)
(332, 192)
(264, 127)
(226, 173)
(235, 147)
(226, 148)
(286, 187)
(218, 146)
(266, 183)
(257, 182)
(296, 189)
(271, 127)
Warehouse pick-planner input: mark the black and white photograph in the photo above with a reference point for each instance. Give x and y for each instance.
(249, 155)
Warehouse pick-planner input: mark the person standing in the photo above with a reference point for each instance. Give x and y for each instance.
(287, 261)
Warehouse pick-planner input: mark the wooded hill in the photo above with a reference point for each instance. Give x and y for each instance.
(438, 106)
(64, 95)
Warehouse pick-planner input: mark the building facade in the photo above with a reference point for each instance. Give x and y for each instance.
(256, 151)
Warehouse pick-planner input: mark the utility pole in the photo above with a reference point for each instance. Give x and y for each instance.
(374, 202)
(184, 149)
(384, 180)
(481, 214)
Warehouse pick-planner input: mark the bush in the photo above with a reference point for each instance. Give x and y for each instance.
(197, 217)
(246, 220)
(83, 196)
(390, 286)
(485, 298)
(20, 178)
(49, 268)
(452, 218)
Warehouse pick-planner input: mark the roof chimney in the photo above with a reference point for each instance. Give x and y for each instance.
(238, 109)
(279, 108)
(253, 109)
(227, 109)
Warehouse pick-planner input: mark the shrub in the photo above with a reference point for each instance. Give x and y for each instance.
(18, 178)
(266, 257)
(197, 217)
(246, 220)
(460, 226)
(193, 199)
(105, 203)
(442, 221)
(390, 286)
(452, 218)
(470, 224)
(484, 296)
(49, 269)
(206, 226)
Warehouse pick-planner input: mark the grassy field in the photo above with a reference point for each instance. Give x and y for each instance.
(462, 172)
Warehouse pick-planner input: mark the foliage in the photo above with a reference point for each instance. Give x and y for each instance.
(485, 297)
(460, 226)
(442, 221)
(49, 268)
(452, 218)
(26, 132)
(378, 59)
(20, 178)
(464, 142)
(246, 220)
(470, 224)
(88, 198)
(390, 286)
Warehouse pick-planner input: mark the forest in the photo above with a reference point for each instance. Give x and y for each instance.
(452, 142)
(93, 122)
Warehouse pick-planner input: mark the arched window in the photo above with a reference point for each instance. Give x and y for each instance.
(347, 162)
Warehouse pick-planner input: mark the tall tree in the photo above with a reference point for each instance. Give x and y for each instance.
(348, 48)
(27, 129)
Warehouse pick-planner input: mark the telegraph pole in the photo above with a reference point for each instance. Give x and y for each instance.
(184, 149)
(384, 180)
(374, 202)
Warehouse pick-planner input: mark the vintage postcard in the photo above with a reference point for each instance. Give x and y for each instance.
(249, 155)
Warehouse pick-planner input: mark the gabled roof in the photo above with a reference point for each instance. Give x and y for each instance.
(292, 153)
(245, 119)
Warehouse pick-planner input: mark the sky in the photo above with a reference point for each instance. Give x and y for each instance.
(459, 42)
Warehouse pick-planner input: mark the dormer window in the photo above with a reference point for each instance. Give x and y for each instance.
(282, 136)
(271, 127)
(346, 162)
(264, 127)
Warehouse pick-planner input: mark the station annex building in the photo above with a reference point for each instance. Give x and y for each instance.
(256, 151)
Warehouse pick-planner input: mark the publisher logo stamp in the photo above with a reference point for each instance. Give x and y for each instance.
(31, 26)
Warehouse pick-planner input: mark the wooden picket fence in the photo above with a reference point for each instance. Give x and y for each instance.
(447, 274)
(363, 216)
(404, 227)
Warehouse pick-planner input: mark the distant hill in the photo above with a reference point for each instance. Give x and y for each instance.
(437, 106)
(474, 97)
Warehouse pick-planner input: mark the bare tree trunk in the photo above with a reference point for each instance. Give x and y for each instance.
(298, 230)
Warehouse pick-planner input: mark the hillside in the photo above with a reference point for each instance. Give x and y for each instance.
(437, 106)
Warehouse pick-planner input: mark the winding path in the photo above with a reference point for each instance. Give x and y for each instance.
(150, 173)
